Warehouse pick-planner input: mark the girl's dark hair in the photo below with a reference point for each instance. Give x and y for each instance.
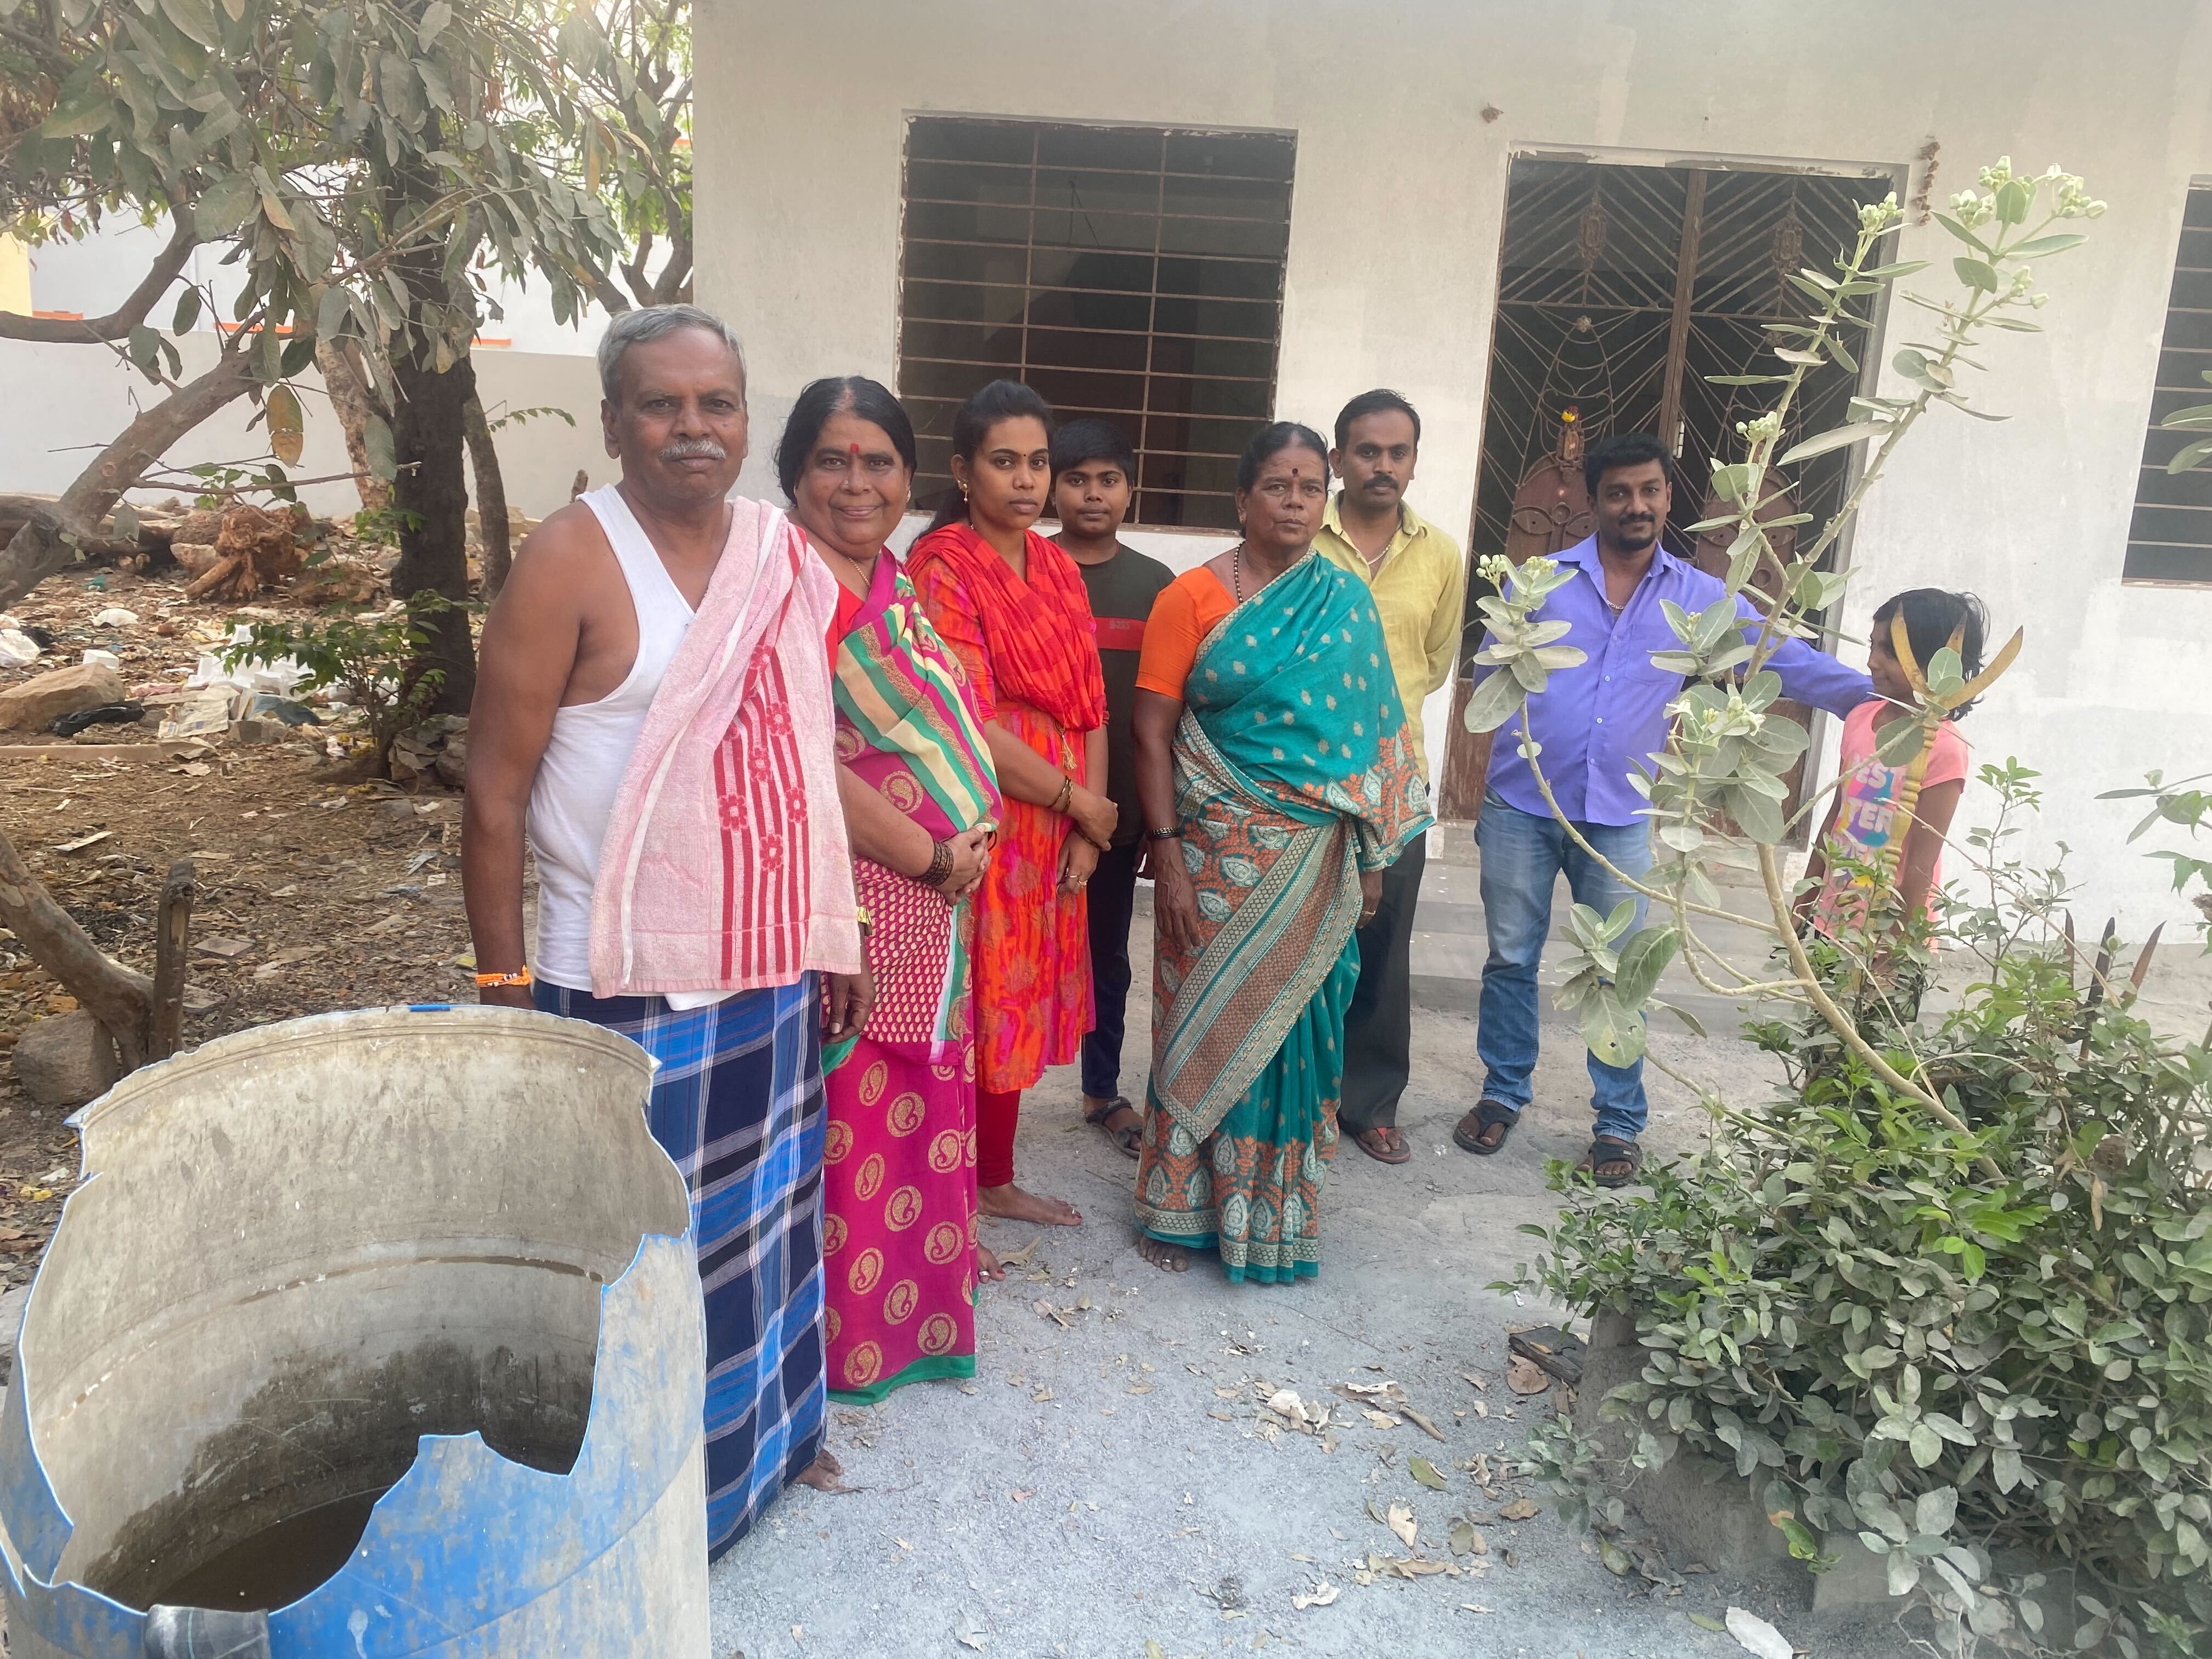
(1001, 400)
(838, 394)
(1270, 441)
(1932, 616)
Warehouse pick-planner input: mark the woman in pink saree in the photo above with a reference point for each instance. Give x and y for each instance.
(899, 1253)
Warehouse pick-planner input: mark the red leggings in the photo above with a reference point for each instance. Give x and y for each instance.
(996, 1116)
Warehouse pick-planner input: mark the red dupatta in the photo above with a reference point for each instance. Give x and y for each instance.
(1038, 631)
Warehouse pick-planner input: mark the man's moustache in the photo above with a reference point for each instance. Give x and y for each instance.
(694, 449)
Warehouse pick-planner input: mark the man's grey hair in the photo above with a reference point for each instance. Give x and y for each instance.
(631, 328)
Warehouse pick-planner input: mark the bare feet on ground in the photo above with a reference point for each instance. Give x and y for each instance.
(986, 1265)
(1011, 1203)
(823, 1473)
(1168, 1258)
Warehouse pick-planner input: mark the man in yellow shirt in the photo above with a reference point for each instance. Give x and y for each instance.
(1419, 583)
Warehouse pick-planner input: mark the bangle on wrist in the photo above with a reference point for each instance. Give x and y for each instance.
(1163, 835)
(521, 977)
(1066, 798)
(940, 864)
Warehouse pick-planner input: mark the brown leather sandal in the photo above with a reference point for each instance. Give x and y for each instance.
(1130, 1136)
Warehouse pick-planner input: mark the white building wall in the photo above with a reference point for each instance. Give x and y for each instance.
(1398, 210)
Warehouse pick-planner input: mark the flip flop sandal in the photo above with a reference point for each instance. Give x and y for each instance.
(1130, 1136)
(1490, 1113)
(1604, 1149)
(1401, 1153)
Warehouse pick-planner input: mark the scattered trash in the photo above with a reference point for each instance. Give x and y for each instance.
(107, 659)
(1755, 1636)
(107, 713)
(204, 713)
(115, 616)
(17, 648)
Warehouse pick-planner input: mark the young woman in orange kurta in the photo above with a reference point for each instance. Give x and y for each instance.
(1013, 607)
(1016, 611)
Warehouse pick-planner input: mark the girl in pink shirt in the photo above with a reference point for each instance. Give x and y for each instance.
(1867, 819)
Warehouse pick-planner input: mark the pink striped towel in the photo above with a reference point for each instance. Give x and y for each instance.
(726, 865)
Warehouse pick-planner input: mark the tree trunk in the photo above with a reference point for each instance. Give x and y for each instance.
(121, 999)
(48, 542)
(433, 497)
(491, 500)
(353, 400)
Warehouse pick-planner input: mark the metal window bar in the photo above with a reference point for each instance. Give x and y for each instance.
(2170, 505)
(1164, 492)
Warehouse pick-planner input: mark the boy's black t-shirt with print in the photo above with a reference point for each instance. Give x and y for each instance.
(1121, 594)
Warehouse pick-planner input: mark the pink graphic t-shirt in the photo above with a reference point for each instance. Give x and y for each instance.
(1866, 812)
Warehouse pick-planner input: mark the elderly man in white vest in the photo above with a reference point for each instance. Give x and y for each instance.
(653, 712)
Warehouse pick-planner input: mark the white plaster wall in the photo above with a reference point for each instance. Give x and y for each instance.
(1397, 212)
(60, 404)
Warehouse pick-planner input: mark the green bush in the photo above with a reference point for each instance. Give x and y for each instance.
(1943, 1344)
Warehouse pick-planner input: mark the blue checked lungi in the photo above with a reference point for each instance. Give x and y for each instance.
(737, 1103)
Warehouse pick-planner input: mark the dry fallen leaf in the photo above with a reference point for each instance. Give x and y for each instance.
(1139, 1387)
(1477, 1378)
(1402, 1522)
(1472, 1607)
(1525, 1375)
(1422, 1424)
(974, 1642)
(1519, 1510)
(1023, 1494)
(1322, 1595)
(1286, 1405)
(1380, 1419)
(1020, 1258)
(1427, 1473)
(1755, 1635)
(1466, 1540)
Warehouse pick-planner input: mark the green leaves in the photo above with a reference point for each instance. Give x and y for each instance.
(223, 207)
(376, 439)
(1837, 438)
(1976, 273)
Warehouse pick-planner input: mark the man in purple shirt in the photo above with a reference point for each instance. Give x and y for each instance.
(1595, 724)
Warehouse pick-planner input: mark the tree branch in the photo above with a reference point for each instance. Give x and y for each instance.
(167, 265)
(49, 541)
(121, 998)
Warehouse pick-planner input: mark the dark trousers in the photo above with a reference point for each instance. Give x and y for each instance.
(1112, 893)
(1378, 1027)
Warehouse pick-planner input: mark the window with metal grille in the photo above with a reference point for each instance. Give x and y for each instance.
(2170, 539)
(1130, 273)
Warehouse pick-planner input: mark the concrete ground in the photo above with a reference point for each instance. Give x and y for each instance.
(1105, 1487)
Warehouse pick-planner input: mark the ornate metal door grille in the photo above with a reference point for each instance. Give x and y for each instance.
(1620, 289)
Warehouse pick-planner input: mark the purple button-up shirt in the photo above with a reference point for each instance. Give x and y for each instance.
(1601, 720)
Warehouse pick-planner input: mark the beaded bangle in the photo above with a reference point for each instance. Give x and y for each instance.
(521, 978)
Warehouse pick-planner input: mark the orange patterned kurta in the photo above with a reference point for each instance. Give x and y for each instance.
(1032, 961)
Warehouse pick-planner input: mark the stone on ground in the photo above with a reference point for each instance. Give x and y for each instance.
(39, 703)
(66, 1059)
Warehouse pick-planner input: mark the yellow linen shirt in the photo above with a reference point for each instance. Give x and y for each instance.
(1419, 590)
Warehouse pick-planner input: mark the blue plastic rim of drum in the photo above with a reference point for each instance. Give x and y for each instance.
(468, 1554)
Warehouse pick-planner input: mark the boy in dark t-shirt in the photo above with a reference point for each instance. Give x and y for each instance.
(1093, 474)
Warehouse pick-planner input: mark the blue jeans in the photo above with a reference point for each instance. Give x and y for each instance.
(1521, 858)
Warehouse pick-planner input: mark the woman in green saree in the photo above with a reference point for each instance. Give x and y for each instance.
(1277, 784)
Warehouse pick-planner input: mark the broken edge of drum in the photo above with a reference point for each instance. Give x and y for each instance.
(456, 1168)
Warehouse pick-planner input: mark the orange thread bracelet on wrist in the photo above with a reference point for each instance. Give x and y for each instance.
(521, 978)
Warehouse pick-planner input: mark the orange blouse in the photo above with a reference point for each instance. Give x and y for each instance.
(1188, 610)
